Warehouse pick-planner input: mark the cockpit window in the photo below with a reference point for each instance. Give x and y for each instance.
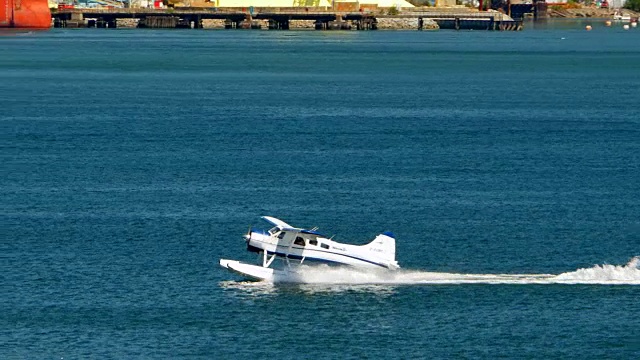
(299, 241)
(281, 235)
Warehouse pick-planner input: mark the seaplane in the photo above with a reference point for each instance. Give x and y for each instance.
(295, 246)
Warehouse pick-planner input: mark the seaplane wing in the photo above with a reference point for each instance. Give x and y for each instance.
(276, 222)
(297, 245)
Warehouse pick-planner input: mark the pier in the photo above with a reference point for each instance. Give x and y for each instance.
(452, 20)
(537, 8)
(192, 18)
(275, 19)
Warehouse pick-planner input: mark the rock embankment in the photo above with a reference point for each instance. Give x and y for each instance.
(212, 24)
(390, 23)
(127, 23)
(293, 24)
(384, 23)
(588, 12)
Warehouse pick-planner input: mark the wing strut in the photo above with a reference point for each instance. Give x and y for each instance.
(286, 256)
(266, 262)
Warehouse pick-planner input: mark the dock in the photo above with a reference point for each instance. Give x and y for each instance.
(274, 19)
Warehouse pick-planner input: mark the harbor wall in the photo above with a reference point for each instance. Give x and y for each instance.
(383, 24)
(281, 19)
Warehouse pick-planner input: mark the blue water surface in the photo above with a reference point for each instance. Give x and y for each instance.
(133, 160)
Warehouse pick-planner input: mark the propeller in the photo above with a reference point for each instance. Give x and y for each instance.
(248, 236)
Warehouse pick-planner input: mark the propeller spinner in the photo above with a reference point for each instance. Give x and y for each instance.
(247, 237)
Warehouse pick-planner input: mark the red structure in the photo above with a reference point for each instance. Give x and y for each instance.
(33, 14)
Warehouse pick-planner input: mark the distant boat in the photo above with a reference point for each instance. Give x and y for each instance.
(618, 16)
(29, 14)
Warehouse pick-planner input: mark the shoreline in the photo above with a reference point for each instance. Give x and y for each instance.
(587, 12)
(386, 23)
(432, 19)
(414, 19)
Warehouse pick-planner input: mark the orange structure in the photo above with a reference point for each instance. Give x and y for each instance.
(34, 14)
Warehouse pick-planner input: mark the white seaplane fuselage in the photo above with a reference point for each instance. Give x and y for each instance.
(297, 246)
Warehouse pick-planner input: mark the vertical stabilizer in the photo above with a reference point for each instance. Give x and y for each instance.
(384, 246)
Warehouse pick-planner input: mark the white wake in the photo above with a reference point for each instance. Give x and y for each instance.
(628, 274)
(604, 274)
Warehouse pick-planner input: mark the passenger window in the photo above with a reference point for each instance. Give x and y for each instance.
(324, 246)
(299, 241)
(313, 242)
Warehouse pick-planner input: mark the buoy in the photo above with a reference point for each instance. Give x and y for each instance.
(588, 27)
(608, 23)
(625, 26)
(634, 24)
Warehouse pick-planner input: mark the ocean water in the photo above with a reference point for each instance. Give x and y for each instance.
(506, 164)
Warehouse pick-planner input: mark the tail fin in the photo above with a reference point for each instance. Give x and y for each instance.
(384, 245)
